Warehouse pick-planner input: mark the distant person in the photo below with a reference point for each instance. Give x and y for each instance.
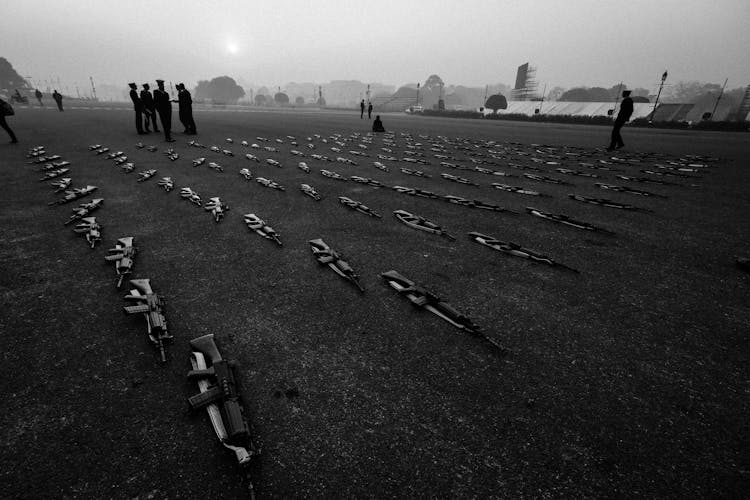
(185, 103)
(57, 96)
(7, 110)
(362, 109)
(164, 108)
(38, 96)
(369, 111)
(18, 97)
(377, 125)
(626, 111)
(138, 107)
(149, 111)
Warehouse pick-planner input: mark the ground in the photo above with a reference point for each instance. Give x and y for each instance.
(628, 379)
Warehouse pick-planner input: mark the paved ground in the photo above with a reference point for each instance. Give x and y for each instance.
(628, 379)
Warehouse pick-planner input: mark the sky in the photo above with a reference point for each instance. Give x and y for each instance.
(472, 42)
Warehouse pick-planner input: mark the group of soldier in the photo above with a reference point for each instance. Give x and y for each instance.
(147, 106)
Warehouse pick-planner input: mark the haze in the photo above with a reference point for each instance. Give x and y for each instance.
(581, 42)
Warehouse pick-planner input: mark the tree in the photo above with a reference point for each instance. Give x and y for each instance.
(260, 100)
(220, 89)
(299, 101)
(9, 78)
(281, 98)
(496, 102)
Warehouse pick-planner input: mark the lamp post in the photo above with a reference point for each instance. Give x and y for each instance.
(656, 102)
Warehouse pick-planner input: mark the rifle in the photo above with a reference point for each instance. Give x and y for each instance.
(91, 228)
(123, 254)
(418, 222)
(259, 226)
(421, 297)
(166, 183)
(568, 221)
(310, 191)
(73, 194)
(326, 255)
(217, 208)
(222, 400)
(151, 306)
(84, 209)
(359, 207)
(515, 249)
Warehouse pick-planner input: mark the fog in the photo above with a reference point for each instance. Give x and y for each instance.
(581, 42)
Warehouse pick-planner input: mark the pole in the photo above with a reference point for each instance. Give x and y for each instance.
(718, 99)
(617, 98)
(542, 101)
(417, 94)
(368, 93)
(656, 102)
(93, 89)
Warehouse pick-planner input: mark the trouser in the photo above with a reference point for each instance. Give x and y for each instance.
(188, 121)
(150, 114)
(361, 112)
(59, 104)
(139, 120)
(5, 127)
(165, 115)
(616, 140)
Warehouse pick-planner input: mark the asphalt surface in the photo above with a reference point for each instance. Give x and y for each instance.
(627, 379)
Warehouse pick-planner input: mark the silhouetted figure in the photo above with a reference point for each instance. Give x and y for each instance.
(7, 110)
(57, 96)
(149, 111)
(38, 96)
(185, 102)
(626, 111)
(164, 108)
(362, 109)
(138, 107)
(377, 125)
(369, 111)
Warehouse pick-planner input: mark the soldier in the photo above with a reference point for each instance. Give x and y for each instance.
(149, 111)
(369, 111)
(164, 108)
(626, 110)
(186, 109)
(58, 99)
(138, 107)
(362, 109)
(6, 110)
(38, 96)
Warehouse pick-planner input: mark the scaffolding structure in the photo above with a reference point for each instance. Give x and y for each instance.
(526, 85)
(744, 110)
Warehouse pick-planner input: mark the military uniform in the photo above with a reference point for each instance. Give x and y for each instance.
(138, 107)
(164, 107)
(149, 111)
(185, 101)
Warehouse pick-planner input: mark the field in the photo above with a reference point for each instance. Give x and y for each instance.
(629, 378)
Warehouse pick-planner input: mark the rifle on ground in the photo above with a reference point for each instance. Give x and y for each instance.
(123, 254)
(152, 307)
(222, 399)
(326, 255)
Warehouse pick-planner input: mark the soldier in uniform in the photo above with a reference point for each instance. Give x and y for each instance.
(369, 111)
(164, 108)
(57, 96)
(149, 111)
(38, 95)
(6, 110)
(626, 110)
(185, 101)
(362, 109)
(138, 107)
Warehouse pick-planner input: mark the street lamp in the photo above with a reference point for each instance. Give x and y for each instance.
(656, 102)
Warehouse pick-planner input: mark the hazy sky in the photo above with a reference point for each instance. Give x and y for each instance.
(472, 42)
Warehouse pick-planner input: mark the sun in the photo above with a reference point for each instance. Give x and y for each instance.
(232, 48)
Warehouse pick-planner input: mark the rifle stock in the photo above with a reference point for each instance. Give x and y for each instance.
(207, 346)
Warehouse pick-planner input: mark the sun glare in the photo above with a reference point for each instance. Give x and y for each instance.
(232, 48)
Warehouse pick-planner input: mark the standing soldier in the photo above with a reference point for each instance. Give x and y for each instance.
(57, 96)
(185, 101)
(148, 108)
(626, 110)
(164, 108)
(7, 110)
(38, 97)
(138, 107)
(369, 111)
(362, 109)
